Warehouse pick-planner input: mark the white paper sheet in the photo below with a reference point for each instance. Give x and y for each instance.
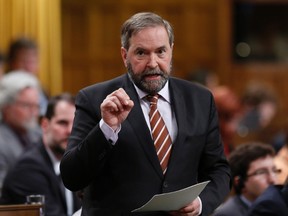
(173, 200)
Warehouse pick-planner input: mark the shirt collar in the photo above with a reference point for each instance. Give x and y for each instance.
(164, 92)
(55, 161)
(246, 201)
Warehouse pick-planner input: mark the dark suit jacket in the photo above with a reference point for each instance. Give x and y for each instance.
(34, 174)
(273, 202)
(123, 177)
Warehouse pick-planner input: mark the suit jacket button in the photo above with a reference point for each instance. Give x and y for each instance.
(165, 184)
(102, 155)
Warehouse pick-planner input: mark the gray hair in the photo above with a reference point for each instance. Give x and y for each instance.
(140, 21)
(13, 83)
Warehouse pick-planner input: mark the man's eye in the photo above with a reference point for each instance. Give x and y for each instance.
(140, 52)
(63, 123)
(161, 51)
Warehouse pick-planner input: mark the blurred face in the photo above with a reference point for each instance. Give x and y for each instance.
(27, 59)
(267, 112)
(1, 69)
(22, 115)
(148, 59)
(57, 130)
(262, 173)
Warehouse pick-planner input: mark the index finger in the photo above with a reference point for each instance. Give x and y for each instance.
(122, 96)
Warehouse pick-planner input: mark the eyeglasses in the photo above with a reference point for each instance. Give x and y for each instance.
(265, 172)
(27, 105)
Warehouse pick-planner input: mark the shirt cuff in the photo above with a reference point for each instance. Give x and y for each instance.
(200, 202)
(110, 134)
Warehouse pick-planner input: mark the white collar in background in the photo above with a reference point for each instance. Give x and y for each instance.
(55, 161)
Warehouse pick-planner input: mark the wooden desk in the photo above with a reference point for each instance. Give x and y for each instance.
(20, 210)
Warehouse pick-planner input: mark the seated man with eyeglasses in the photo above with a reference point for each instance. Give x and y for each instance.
(253, 170)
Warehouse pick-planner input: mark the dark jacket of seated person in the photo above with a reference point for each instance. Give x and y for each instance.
(273, 202)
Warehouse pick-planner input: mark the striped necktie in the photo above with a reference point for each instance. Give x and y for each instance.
(160, 134)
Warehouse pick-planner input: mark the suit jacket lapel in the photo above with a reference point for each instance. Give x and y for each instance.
(179, 109)
(138, 124)
(177, 103)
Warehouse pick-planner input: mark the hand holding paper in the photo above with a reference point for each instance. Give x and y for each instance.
(173, 200)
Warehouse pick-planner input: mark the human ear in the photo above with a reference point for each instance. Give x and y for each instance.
(124, 55)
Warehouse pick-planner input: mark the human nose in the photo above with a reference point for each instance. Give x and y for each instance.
(272, 179)
(152, 62)
(35, 110)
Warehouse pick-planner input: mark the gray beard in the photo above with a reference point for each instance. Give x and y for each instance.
(32, 124)
(150, 87)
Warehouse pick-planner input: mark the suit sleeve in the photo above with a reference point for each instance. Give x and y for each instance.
(87, 147)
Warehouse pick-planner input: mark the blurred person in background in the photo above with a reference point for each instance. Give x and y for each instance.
(204, 77)
(260, 107)
(253, 170)
(19, 107)
(229, 112)
(2, 64)
(281, 161)
(23, 54)
(38, 167)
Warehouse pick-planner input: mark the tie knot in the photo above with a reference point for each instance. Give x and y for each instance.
(153, 99)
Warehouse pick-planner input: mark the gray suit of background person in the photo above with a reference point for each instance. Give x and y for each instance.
(111, 152)
(253, 170)
(19, 128)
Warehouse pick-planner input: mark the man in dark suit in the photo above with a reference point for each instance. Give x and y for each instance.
(111, 152)
(273, 202)
(37, 171)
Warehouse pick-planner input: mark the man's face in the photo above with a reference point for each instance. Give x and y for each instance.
(261, 173)
(28, 60)
(57, 130)
(148, 58)
(22, 114)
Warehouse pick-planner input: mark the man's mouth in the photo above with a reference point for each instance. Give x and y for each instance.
(152, 76)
